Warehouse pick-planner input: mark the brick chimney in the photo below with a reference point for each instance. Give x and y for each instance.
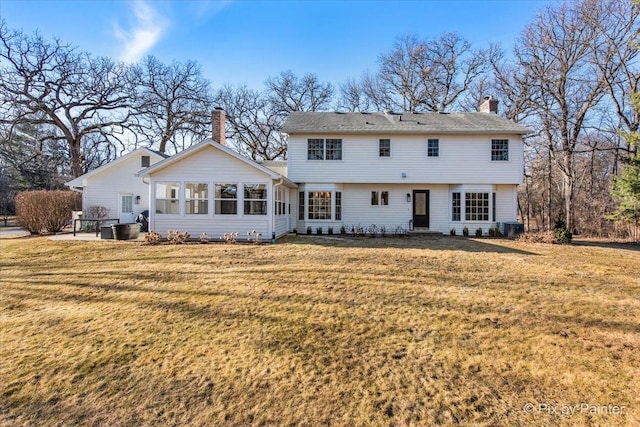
(490, 105)
(217, 125)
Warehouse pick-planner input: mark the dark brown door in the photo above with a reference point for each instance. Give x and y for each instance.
(421, 208)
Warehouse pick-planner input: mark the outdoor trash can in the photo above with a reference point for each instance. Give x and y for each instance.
(126, 231)
(106, 232)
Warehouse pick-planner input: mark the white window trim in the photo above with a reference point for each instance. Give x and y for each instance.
(266, 214)
(184, 202)
(238, 199)
(426, 151)
(390, 156)
(180, 198)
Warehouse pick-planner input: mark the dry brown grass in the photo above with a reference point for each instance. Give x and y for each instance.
(318, 332)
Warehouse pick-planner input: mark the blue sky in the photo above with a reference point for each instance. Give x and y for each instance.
(244, 42)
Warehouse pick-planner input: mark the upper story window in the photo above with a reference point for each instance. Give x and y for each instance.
(499, 149)
(384, 149)
(433, 148)
(324, 149)
(145, 161)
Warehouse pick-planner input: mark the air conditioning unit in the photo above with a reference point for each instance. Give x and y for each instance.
(511, 229)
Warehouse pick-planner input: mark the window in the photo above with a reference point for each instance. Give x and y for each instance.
(315, 149)
(476, 206)
(255, 199)
(493, 206)
(301, 206)
(320, 149)
(279, 206)
(167, 198)
(499, 149)
(379, 198)
(319, 205)
(127, 203)
(226, 199)
(385, 148)
(196, 198)
(145, 161)
(433, 148)
(455, 206)
(338, 206)
(334, 149)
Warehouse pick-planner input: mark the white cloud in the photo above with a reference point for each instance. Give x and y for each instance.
(147, 28)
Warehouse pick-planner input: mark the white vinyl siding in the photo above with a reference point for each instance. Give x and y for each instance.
(105, 187)
(462, 159)
(215, 167)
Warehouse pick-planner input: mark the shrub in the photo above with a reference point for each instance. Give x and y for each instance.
(560, 231)
(319, 230)
(479, 232)
(330, 230)
(309, 230)
(254, 236)
(383, 231)
(372, 230)
(152, 238)
(176, 237)
(541, 237)
(45, 209)
(343, 230)
(465, 232)
(230, 238)
(452, 232)
(97, 212)
(204, 238)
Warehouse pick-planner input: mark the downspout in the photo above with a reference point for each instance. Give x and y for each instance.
(273, 216)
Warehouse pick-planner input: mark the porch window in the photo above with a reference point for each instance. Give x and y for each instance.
(226, 199)
(476, 206)
(167, 198)
(320, 205)
(338, 216)
(279, 204)
(255, 199)
(196, 197)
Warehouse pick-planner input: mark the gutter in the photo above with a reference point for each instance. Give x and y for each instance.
(273, 216)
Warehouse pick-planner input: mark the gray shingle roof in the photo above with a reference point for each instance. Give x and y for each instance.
(418, 123)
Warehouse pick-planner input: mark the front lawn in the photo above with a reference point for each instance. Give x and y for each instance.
(319, 331)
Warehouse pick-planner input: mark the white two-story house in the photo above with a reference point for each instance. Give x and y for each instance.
(429, 171)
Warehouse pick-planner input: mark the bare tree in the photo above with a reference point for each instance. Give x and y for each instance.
(50, 83)
(432, 75)
(562, 84)
(253, 124)
(174, 104)
(286, 93)
(615, 52)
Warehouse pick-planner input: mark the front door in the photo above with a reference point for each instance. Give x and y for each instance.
(125, 208)
(421, 208)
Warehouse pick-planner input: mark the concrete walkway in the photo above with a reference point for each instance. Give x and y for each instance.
(13, 232)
